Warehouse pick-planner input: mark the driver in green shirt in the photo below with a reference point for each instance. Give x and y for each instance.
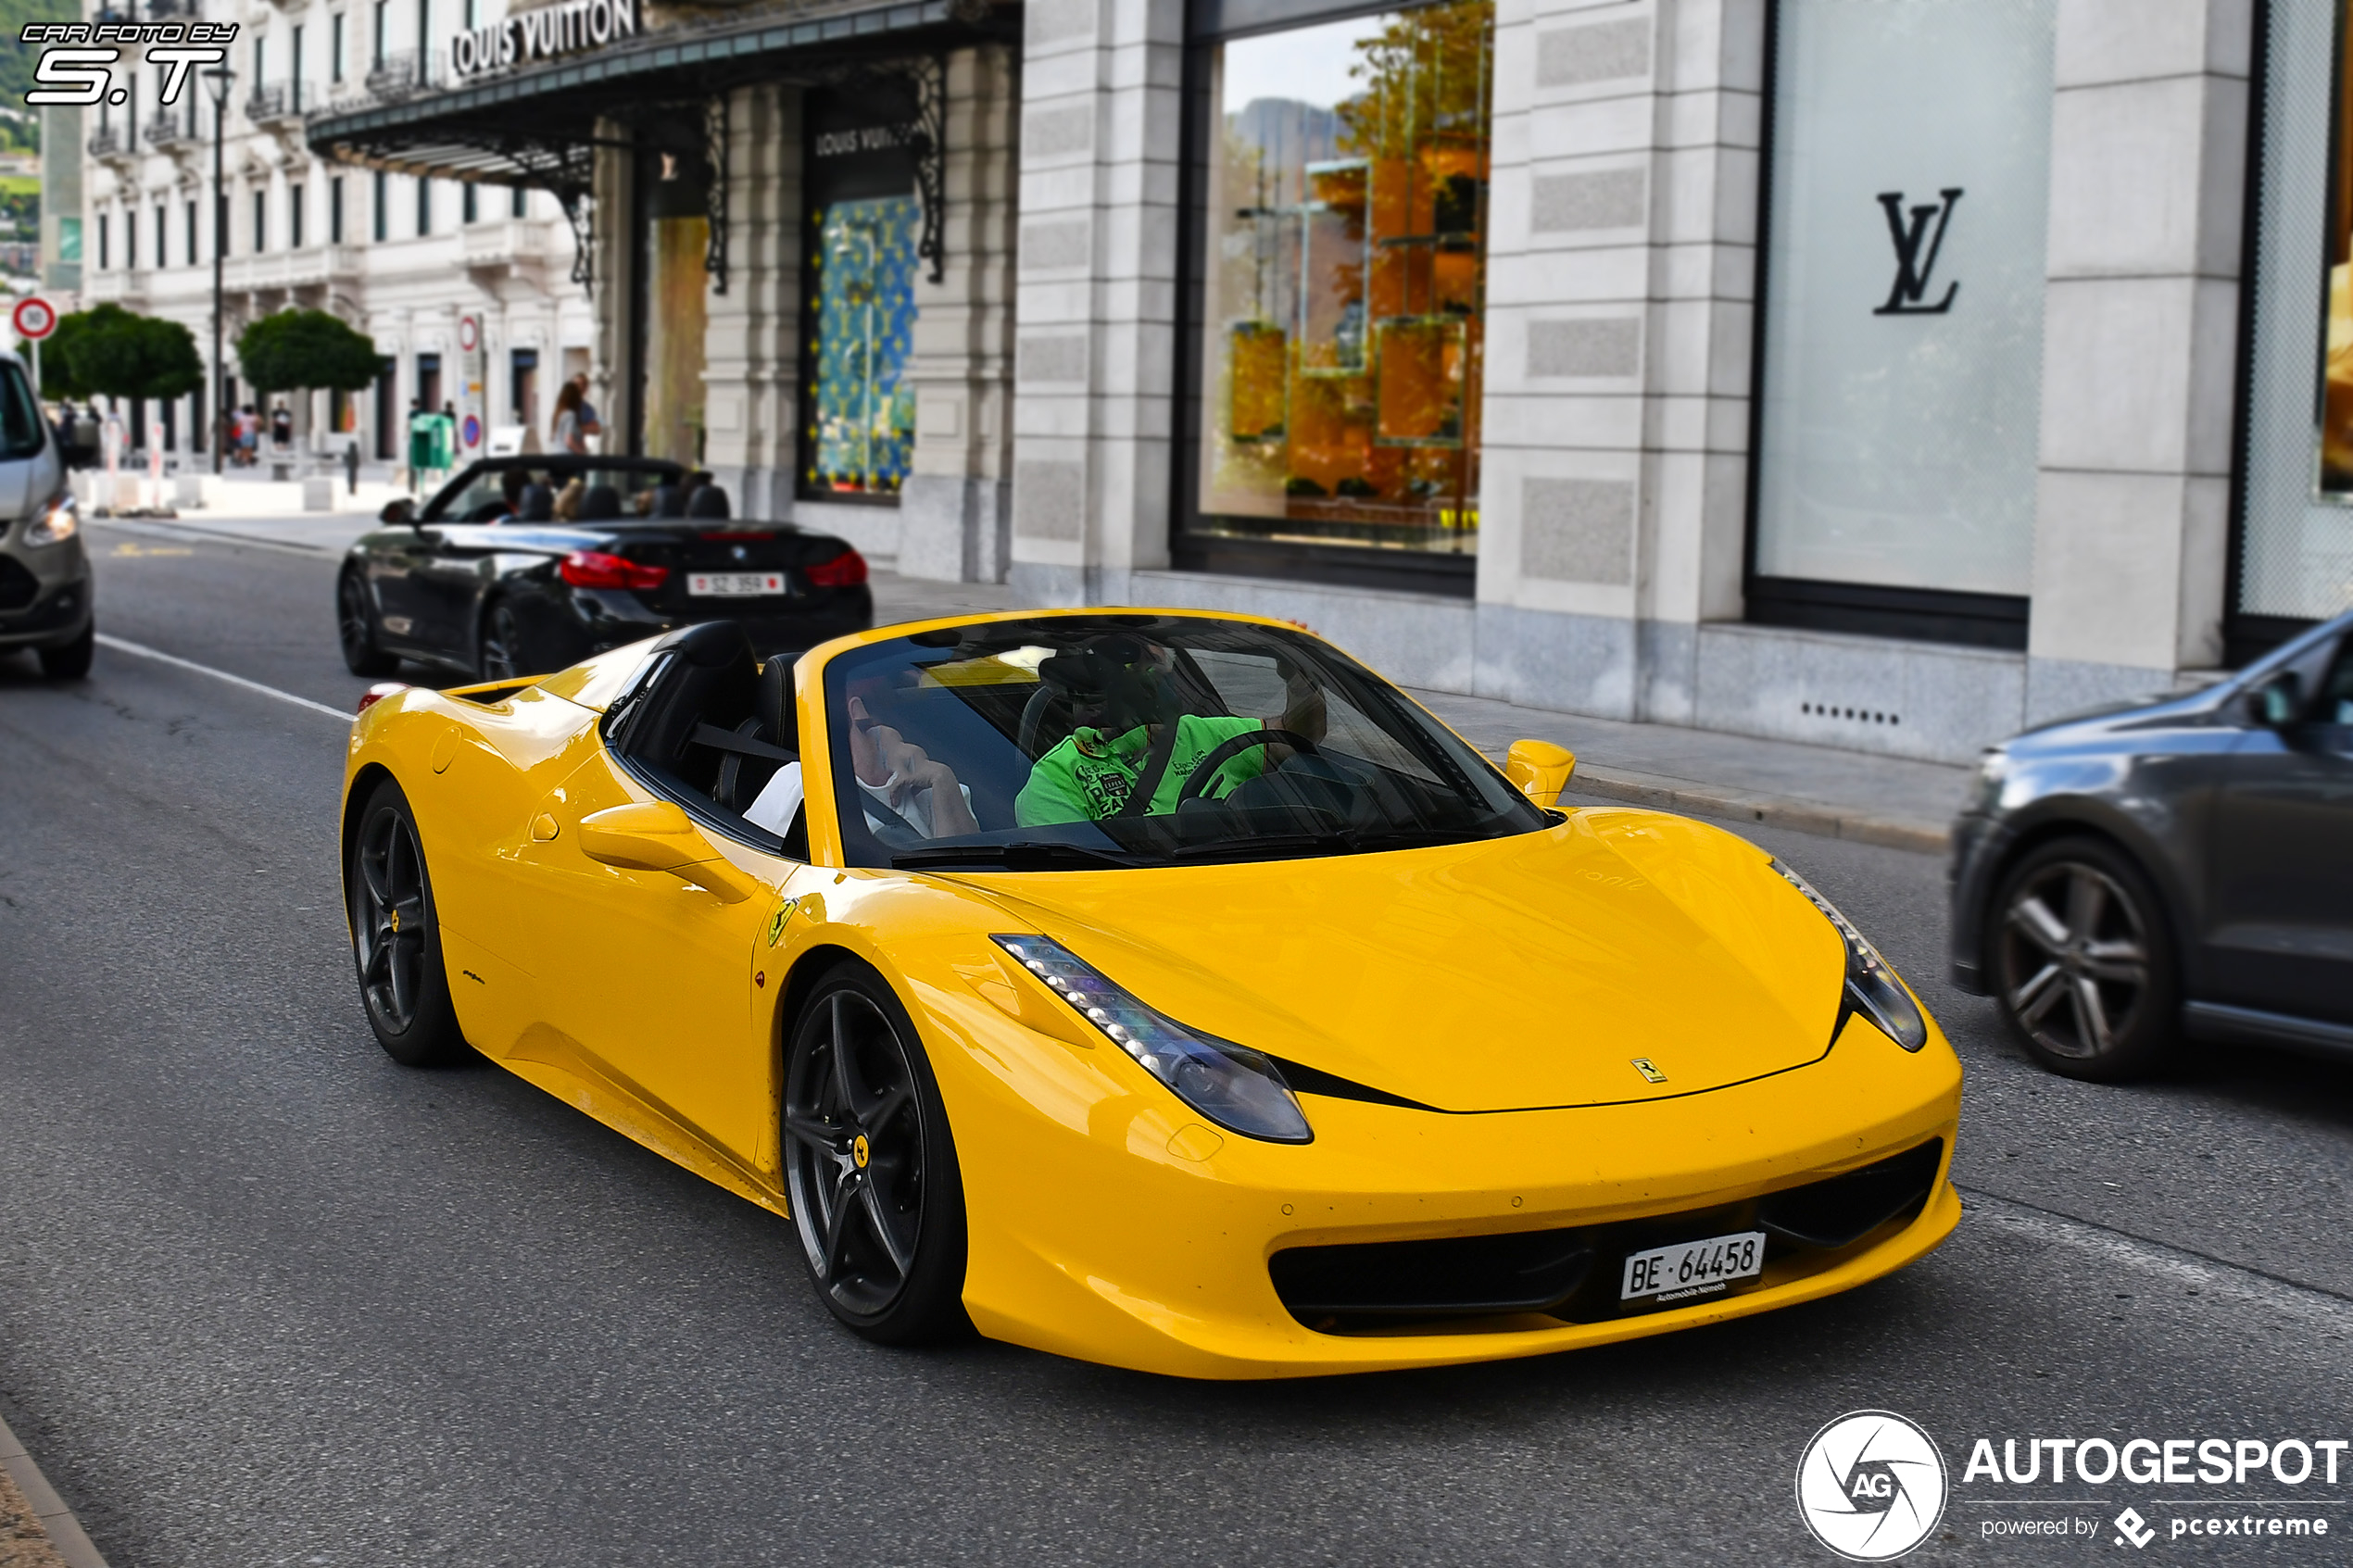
(1128, 702)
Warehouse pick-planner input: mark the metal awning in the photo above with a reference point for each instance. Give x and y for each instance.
(537, 127)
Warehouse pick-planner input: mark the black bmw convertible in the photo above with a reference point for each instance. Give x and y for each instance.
(532, 563)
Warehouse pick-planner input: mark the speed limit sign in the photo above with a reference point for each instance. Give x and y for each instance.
(35, 318)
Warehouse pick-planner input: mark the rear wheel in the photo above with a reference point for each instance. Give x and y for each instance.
(395, 937)
(71, 662)
(356, 627)
(502, 647)
(870, 1166)
(2085, 962)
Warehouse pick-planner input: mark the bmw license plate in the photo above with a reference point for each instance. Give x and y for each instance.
(734, 584)
(1694, 1268)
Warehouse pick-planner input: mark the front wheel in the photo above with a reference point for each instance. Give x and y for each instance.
(2084, 961)
(71, 662)
(870, 1167)
(395, 937)
(355, 628)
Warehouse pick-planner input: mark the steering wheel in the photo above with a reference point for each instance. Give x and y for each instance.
(1231, 746)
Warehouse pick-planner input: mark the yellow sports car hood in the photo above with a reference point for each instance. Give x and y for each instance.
(1506, 975)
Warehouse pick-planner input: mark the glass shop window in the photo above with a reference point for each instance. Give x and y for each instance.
(673, 300)
(1343, 282)
(858, 435)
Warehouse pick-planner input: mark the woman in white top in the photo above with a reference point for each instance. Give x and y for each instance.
(568, 433)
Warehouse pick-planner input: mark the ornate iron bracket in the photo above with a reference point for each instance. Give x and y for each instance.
(715, 127)
(927, 139)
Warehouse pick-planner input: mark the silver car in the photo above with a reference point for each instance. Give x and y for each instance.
(44, 576)
(2181, 868)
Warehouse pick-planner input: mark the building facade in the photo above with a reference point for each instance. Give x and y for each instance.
(405, 259)
(1881, 374)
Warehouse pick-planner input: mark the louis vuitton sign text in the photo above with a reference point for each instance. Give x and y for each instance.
(530, 36)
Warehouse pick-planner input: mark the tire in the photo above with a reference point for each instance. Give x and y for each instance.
(2082, 957)
(870, 1165)
(71, 662)
(356, 627)
(500, 653)
(395, 937)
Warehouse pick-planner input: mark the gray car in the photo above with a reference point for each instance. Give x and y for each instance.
(44, 576)
(2176, 868)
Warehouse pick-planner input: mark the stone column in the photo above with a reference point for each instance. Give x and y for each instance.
(611, 387)
(752, 342)
(1621, 266)
(2140, 346)
(1100, 148)
(955, 512)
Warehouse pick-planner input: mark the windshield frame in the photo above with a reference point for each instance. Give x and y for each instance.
(824, 691)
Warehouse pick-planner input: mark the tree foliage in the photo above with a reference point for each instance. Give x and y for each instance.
(110, 351)
(307, 349)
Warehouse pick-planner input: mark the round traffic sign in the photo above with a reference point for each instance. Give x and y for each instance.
(469, 332)
(472, 430)
(35, 318)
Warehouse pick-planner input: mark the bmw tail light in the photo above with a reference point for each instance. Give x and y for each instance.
(594, 569)
(845, 571)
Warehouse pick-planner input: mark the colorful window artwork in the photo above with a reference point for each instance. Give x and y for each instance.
(1344, 282)
(862, 433)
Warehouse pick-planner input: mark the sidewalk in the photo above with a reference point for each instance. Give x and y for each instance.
(1886, 800)
(36, 1528)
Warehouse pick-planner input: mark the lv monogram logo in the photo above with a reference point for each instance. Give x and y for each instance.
(1911, 268)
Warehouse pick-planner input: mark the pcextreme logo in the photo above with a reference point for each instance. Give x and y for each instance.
(1872, 1486)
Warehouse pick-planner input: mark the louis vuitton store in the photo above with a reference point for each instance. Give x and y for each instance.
(1883, 373)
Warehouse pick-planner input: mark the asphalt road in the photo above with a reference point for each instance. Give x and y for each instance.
(266, 1298)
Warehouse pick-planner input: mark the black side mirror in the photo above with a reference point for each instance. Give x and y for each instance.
(2278, 702)
(402, 510)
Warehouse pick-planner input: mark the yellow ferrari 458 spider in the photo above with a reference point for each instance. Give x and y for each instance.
(1160, 988)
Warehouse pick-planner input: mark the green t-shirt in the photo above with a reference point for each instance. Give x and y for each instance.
(1088, 777)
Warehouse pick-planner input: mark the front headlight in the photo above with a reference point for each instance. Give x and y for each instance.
(55, 522)
(1871, 986)
(1231, 1084)
(1993, 770)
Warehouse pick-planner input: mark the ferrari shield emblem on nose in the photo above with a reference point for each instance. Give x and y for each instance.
(1649, 1070)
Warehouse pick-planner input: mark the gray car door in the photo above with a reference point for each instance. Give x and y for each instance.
(2279, 936)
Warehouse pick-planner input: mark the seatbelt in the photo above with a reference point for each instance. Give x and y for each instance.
(718, 739)
(1139, 799)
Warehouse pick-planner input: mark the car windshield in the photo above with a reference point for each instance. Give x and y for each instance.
(505, 492)
(1122, 740)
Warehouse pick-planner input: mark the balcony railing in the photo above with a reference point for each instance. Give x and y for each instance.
(108, 143)
(167, 135)
(281, 100)
(399, 76)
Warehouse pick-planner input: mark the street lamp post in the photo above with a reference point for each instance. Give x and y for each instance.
(217, 80)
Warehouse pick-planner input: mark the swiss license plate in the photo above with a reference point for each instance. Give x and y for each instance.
(733, 584)
(1694, 1268)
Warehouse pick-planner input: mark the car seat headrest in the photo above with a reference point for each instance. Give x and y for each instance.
(600, 503)
(708, 501)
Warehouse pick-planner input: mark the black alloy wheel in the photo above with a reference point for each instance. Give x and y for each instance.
(396, 939)
(869, 1166)
(356, 627)
(2085, 962)
(502, 644)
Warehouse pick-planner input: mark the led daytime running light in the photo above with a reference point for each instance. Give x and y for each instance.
(1871, 986)
(1231, 1084)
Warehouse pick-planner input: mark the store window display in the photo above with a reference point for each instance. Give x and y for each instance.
(858, 425)
(1343, 281)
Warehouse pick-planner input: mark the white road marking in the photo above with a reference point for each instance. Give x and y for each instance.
(2155, 1259)
(141, 651)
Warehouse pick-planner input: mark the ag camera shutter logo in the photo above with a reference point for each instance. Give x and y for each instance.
(1872, 1486)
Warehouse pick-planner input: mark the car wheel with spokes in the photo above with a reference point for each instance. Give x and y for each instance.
(356, 627)
(869, 1165)
(395, 937)
(2083, 959)
(502, 644)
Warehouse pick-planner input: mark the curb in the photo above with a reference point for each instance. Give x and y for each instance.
(73, 1543)
(1771, 811)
